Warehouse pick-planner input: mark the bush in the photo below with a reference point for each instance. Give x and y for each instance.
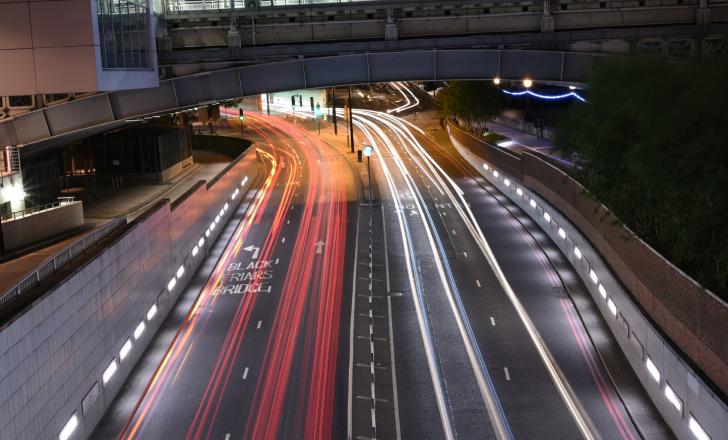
(653, 147)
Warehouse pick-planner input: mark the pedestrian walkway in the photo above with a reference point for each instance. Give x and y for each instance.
(130, 203)
(521, 138)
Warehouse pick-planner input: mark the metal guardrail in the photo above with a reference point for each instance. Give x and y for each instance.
(62, 201)
(53, 263)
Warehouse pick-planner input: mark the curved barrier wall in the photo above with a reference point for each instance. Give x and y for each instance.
(666, 324)
(63, 360)
(82, 117)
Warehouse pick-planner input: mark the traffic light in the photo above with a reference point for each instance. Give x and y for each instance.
(241, 115)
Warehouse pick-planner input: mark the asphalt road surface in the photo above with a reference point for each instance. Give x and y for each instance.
(436, 311)
(258, 352)
(484, 317)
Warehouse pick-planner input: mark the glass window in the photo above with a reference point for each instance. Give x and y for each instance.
(124, 33)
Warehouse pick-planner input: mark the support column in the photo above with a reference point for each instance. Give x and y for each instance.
(702, 15)
(234, 39)
(547, 20)
(333, 108)
(391, 32)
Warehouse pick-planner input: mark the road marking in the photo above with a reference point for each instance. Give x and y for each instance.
(227, 436)
(465, 254)
(254, 249)
(277, 260)
(508, 374)
(259, 324)
(245, 373)
(283, 240)
(477, 282)
(492, 321)
(350, 399)
(454, 233)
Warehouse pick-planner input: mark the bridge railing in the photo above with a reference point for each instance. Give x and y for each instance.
(57, 260)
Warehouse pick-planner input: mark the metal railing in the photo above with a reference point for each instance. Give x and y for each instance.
(62, 201)
(53, 263)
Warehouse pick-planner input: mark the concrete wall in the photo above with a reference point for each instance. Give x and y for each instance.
(642, 320)
(42, 225)
(53, 356)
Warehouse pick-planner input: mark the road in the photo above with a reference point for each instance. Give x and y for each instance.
(485, 317)
(436, 311)
(258, 354)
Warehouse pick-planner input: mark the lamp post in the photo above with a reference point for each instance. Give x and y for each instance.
(368, 150)
(527, 83)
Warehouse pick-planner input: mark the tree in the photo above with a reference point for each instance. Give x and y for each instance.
(473, 102)
(652, 147)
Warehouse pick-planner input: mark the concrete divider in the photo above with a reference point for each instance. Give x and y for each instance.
(63, 359)
(636, 289)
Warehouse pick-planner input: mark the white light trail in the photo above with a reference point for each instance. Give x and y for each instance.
(568, 396)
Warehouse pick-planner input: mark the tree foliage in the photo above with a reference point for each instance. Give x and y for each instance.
(653, 147)
(472, 102)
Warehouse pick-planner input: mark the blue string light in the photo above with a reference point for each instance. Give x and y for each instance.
(549, 97)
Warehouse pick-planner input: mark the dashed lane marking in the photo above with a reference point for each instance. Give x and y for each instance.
(508, 374)
(245, 373)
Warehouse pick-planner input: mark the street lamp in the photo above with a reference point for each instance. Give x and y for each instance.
(368, 150)
(527, 83)
(496, 80)
(241, 116)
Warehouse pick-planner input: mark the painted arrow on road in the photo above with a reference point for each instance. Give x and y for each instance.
(320, 246)
(253, 249)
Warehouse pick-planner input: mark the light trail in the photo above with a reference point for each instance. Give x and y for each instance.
(298, 368)
(422, 318)
(409, 104)
(487, 390)
(566, 392)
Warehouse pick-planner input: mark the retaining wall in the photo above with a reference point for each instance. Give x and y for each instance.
(54, 355)
(655, 309)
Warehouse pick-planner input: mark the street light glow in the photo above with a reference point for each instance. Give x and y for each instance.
(527, 83)
(496, 80)
(368, 150)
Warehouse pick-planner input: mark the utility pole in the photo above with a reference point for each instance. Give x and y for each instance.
(351, 123)
(333, 107)
(267, 98)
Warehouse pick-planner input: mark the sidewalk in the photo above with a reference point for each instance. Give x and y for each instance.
(521, 138)
(129, 203)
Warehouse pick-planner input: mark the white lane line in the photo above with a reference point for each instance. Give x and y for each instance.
(477, 282)
(227, 436)
(288, 222)
(454, 233)
(391, 331)
(508, 374)
(349, 402)
(492, 321)
(407, 240)
(283, 240)
(259, 324)
(245, 373)
(465, 254)
(277, 260)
